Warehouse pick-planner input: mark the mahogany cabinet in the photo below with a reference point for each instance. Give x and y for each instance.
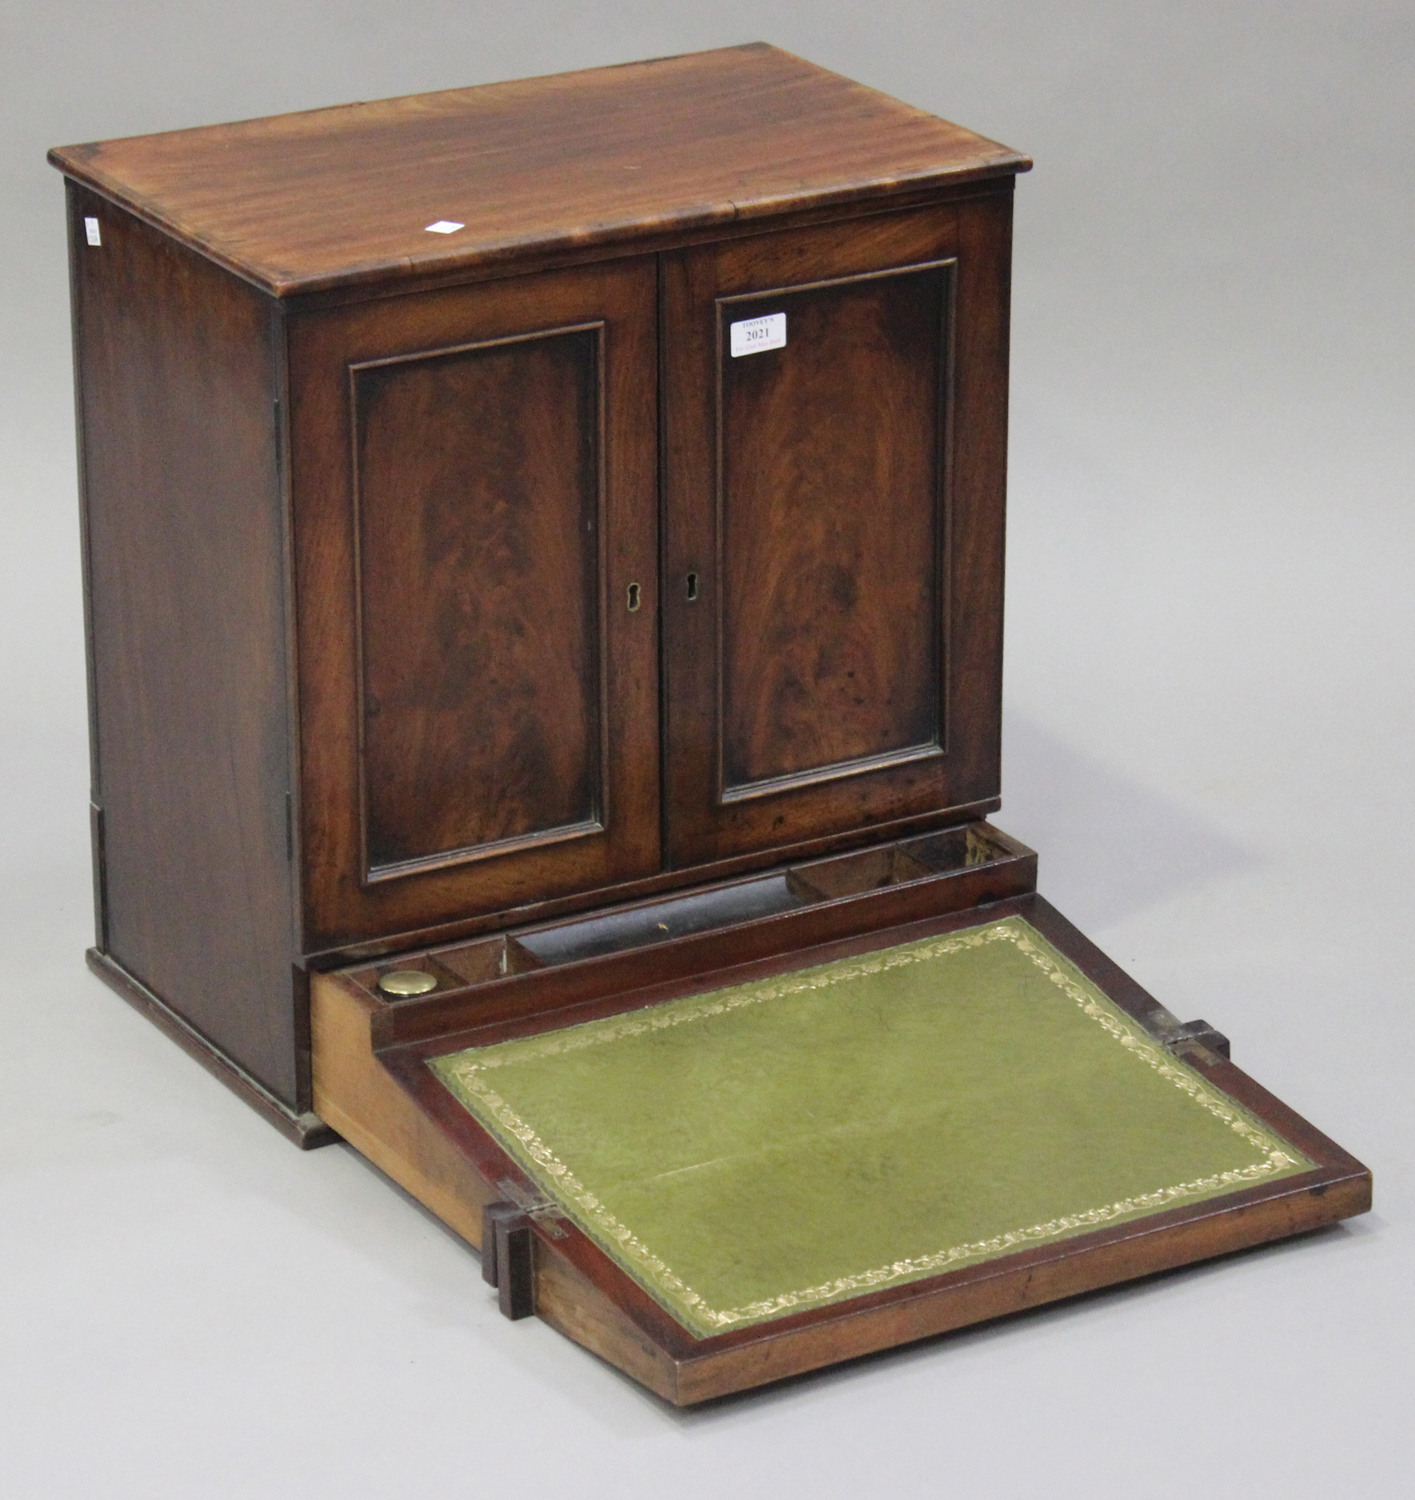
(543, 552)
(441, 579)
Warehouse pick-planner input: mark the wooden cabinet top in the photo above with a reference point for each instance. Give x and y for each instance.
(538, 168)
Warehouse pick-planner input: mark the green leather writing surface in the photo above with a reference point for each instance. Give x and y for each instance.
(783, 1144)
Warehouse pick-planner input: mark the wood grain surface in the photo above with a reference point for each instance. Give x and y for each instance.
(839, 503)
(184, 537)
(343, 196)
(480, 506)
(358, 1099)
(473, 506)
(831, 492)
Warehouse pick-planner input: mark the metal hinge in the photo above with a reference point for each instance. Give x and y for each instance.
(1200, 1032)
(98, 838)
(535, 1205)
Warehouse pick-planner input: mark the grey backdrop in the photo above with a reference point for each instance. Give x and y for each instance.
(1208, 737)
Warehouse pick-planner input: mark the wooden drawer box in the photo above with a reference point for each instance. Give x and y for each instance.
(375, 1054)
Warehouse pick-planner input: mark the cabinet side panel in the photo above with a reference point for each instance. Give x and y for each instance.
(184, 526)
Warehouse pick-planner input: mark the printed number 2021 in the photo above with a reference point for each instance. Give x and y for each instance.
(752, 335)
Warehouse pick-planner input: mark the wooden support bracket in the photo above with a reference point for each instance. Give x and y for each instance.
(508, 1258)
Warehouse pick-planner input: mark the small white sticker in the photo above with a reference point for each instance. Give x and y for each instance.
(445, 226)
(91, 230)
(752, 335)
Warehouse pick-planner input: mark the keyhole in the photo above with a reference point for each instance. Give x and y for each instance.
(692, 586)
(633, 597)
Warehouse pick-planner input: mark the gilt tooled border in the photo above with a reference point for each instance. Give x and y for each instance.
(467, 1070)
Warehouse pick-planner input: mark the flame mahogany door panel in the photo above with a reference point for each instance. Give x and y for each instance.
(833, 527)
(475, 502)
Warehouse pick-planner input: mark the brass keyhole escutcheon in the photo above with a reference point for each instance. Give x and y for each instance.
(692, 587)
(634, 599)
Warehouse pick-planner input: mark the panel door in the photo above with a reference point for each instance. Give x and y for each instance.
(474, 484)
(835, 413)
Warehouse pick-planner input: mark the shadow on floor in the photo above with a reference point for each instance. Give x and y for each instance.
(1110, 846)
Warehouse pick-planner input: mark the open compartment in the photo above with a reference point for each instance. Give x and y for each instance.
(950, 870)
(448, 968)
(658, 921)
(953, 850)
